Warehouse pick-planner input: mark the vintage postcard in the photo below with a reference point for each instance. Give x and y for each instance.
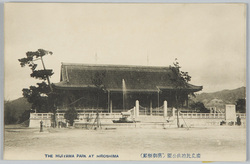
(125, 81)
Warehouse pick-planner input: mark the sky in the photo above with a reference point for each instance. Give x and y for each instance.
(209, 40)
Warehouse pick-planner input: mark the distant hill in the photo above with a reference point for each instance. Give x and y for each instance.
(221, 98)
(14, 109)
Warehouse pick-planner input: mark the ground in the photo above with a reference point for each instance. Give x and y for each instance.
(212, 144)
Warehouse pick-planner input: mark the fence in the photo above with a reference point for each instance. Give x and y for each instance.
(210, 115)
(101, 115)
(203, 115)
(45, 115)
(155, 112)
(242, 115)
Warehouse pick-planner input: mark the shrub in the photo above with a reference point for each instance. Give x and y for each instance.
(71, 115)
(199, 107)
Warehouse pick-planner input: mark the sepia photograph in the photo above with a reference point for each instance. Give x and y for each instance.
(125, 81)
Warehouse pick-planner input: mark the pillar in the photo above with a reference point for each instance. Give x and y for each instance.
(230, 113)
(108, 102)
(97, 120)
(111, 106)
(211, 110)
(165, 108)
(158, 99)
(134, 112)
(173, 112)
(136, 108)
(151, 109)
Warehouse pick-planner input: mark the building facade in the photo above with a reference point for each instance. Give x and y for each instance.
(115, 88)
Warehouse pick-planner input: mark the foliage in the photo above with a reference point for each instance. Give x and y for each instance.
(25, 116)
(31, 56)
(241, 105)
(9, 117)
(37, 96)
(14, 109)
(41, 74)
(71, 115)
(179, 80)
(199, 107)
(97, 80)
(41, 96)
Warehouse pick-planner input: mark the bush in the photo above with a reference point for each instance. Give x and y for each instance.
(71, 115)
(241, 105)
(199, 107)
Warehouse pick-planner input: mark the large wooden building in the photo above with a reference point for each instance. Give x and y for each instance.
(113, 88)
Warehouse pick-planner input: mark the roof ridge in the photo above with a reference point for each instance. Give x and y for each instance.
(112, 65)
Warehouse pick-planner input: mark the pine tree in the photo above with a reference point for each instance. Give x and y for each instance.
(179, 80)
(42, 97)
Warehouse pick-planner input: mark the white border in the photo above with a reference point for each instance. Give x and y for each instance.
(109, 1)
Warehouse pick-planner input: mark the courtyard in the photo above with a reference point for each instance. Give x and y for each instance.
(227, 143)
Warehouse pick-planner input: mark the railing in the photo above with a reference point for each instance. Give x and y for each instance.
(202, 115)
(80, 115)
(86, 110)
(209, 115)
(242, 115)
(101, 115)
(45, 115)
(118, 115)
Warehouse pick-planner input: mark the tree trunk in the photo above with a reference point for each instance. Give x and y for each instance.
(47, 77)
(97, 111)
(177, 107)
(54, 119)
